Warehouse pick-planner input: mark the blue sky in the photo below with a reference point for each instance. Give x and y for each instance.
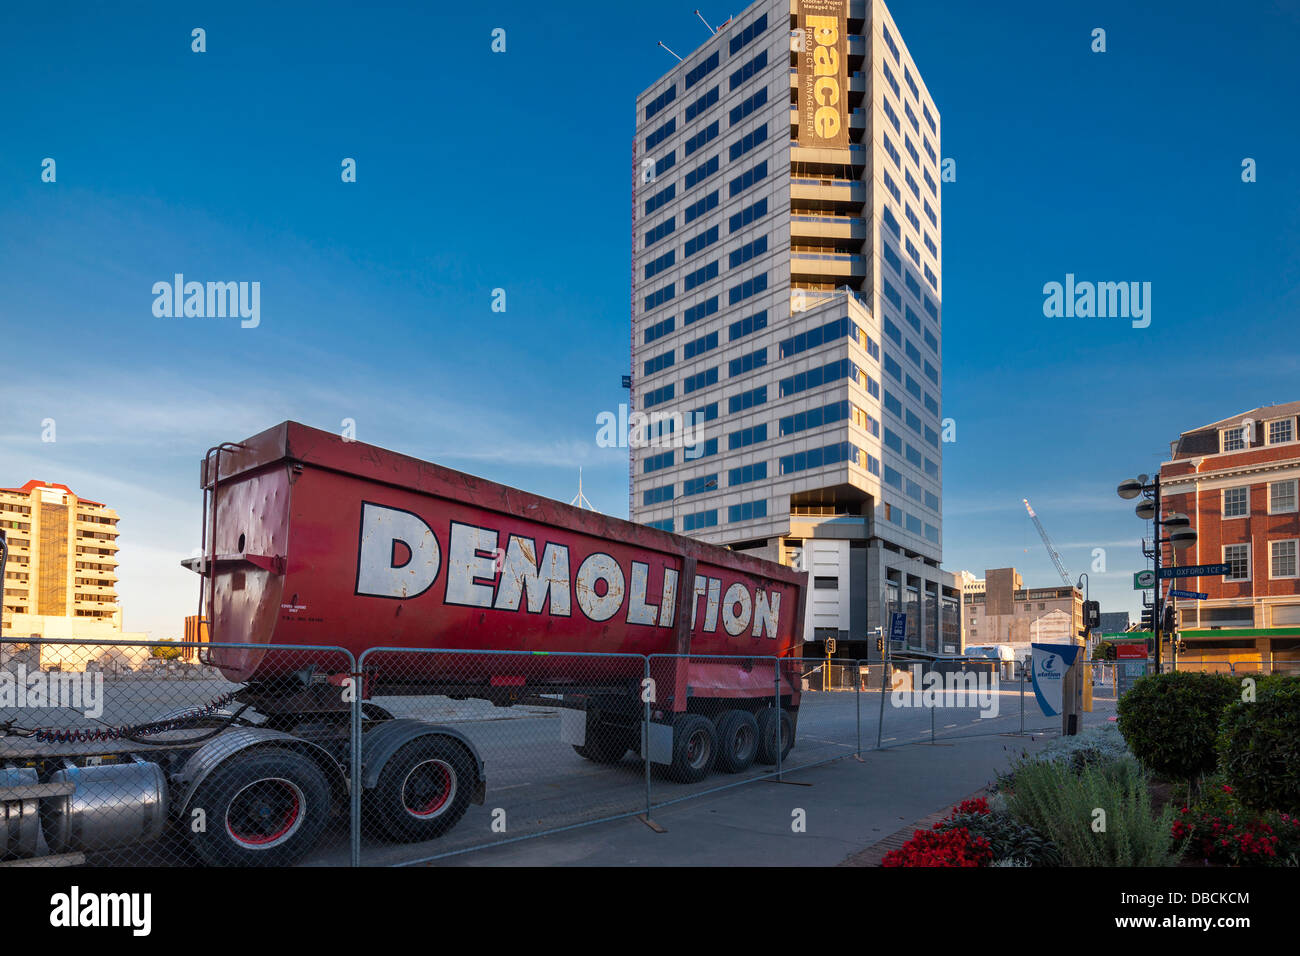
(376, 296)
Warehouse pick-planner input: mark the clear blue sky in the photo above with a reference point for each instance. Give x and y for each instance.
(479, 170)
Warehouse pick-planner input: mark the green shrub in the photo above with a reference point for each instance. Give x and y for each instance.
(1061, 805)
(1171, 721)
(1009, 839)
(1259, 746)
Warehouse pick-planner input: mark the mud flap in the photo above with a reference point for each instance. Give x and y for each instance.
(661, 743)
(573, 727)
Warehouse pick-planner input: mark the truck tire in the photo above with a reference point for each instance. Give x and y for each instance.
(695, 748)
(605, 745)
(423, 790)
(264, 807)
(737, 741)
(768, 721)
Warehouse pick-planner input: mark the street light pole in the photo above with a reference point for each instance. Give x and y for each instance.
(1156, 608)
(1182, 536)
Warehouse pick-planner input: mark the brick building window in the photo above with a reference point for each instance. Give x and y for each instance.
(1236, 502)
(1234, 439)
(1282, 430)
(1282, 497)
(1282, 559)
(1237, 558)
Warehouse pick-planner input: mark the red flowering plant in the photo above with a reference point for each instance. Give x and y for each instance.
(946, 844)
(1219, 829)
(978, 805)
(941, 848)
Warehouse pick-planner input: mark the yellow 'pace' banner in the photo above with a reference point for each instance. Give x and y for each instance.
(823, 74)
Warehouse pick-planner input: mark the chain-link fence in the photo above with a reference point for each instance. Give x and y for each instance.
(163, 754)
(233, 754)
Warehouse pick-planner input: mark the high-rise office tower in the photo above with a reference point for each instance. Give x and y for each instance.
(786, 330)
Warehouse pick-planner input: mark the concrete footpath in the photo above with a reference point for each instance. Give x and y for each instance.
(847, 807)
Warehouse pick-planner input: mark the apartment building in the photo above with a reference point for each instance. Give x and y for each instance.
(60, 581)
(786, 329)
(1239, 481)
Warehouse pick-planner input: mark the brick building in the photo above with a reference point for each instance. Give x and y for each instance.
(1237, 480)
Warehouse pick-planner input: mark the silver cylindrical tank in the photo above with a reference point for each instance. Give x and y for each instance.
(114, 805)
(20, 824)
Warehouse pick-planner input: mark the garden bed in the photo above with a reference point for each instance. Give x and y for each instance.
(1198, 771)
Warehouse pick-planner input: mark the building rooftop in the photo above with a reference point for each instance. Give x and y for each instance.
(1204, 440)
(35, 483)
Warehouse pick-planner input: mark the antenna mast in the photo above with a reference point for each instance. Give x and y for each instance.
(580, 500)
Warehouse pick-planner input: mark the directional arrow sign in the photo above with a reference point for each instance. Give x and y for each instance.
(1194, 571)
(1143, 580)
(1195, 595)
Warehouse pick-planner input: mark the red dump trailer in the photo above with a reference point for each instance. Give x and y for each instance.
(441, 583)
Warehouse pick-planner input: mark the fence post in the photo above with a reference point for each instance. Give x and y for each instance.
(932, 706)
(780, 740)
(645, 733)
(857, 704)
(884, 689)
(1022, 698)
(354, 795)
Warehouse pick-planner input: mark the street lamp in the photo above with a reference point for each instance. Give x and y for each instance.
(1181, 536)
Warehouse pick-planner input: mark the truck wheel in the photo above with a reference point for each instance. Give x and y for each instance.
(767, 734)
(737, 741)
(264, 807)
(424, 789)
(695, 747)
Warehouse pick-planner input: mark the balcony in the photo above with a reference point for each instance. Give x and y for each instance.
(833, 194)
(85, 542)
(828, 228)
(815, 265)
(855, 156)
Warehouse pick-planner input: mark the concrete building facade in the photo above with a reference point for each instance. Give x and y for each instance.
(787, 324)
(1004, 611)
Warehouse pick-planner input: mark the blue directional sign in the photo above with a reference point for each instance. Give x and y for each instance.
(1194, 571)
(898, 626)
(1195, 595)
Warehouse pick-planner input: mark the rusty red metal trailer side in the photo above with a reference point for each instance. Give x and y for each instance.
(312, 539)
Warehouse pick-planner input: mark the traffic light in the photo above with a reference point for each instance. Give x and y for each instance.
(1092, 614)
(880, 645)
(1168, 623)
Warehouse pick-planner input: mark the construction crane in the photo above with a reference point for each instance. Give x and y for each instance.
(1051, 548)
